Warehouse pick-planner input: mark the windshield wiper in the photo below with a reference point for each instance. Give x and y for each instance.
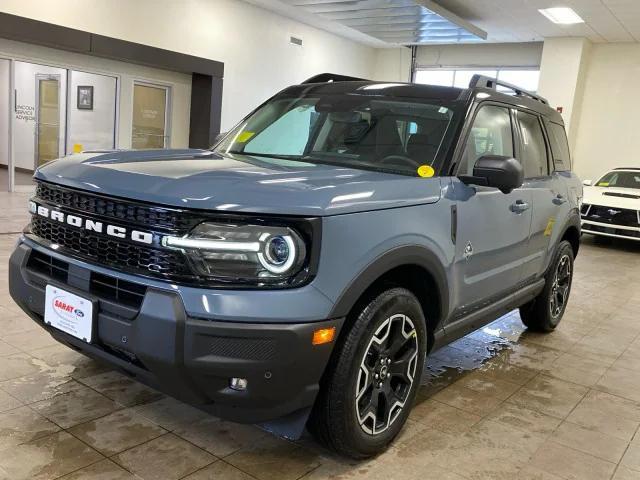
(343, 162)
(299, 158)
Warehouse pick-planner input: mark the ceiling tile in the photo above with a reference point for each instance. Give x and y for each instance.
(410, 21)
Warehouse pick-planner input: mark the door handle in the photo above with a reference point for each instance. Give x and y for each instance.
(519, 207)
(560, 199)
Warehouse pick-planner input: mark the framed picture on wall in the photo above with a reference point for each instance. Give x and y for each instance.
(85, 97)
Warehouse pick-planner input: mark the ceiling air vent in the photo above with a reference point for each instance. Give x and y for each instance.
(295, 41)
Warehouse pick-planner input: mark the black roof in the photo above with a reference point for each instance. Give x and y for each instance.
(368, 87)
(328, 84)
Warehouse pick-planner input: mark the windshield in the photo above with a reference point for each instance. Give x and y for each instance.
(359, 131)
(620, 179)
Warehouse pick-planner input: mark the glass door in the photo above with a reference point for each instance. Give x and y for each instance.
(38, 113)
(150, 125)
(47, 119)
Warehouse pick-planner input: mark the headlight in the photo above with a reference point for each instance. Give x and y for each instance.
(242, 253)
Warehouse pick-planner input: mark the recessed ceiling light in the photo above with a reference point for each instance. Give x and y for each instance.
(562, 15)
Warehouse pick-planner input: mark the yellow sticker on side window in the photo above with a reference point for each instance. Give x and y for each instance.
(244, 137)
(426, 171)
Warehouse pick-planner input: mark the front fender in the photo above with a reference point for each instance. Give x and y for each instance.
(399, 256)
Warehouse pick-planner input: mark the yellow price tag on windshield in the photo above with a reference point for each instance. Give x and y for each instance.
(426, 171)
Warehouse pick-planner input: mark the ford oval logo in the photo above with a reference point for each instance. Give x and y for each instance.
(79, 313)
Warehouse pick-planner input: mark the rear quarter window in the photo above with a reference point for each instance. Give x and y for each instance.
(559, 147)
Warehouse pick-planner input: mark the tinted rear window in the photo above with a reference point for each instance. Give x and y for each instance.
(559, 147)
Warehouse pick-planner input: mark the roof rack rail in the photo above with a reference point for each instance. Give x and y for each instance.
(482, 81)
(332, 77)
(627, 168)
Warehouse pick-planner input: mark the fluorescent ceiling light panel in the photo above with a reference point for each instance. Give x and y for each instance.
(561, 15)
(396, 22)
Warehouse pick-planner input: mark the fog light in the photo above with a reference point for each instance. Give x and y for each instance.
(239, 384)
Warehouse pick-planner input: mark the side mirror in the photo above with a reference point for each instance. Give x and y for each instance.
(504, 173)
(587, 183)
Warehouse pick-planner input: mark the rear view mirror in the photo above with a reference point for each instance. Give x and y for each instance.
(587, 183)
(345, 117)
(504, 173)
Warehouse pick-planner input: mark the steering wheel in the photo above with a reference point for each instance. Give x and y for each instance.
(400, 161)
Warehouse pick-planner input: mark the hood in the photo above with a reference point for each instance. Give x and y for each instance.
(202, 179)
(613, 197)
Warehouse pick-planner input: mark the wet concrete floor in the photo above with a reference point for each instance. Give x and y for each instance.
(501, 403)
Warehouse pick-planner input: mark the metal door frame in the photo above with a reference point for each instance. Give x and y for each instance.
(36, 136)
(12, 106)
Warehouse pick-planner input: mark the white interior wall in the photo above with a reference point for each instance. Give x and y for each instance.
(127, 73)
(4, 113)
(562, 72)
(393, 65)
(607, 127)
(92, 129)
(252, 42)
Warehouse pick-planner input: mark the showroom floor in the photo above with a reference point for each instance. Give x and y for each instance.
(500, 403)
(22, 181)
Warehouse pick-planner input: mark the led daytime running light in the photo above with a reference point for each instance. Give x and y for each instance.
(216, 245)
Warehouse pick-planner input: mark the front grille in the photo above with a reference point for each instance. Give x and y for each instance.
(104, 287)
(110, 252)
(113, 208)
(613, 216)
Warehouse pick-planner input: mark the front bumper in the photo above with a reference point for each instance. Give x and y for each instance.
(610, 230)
(189, 358)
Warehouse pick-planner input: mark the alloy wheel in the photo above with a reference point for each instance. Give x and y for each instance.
(560, 286)
(386, 374)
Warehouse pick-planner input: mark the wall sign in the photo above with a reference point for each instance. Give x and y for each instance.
(26, 113)
(85, 97)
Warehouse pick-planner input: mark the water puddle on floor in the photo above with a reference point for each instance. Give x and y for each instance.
(445, 366)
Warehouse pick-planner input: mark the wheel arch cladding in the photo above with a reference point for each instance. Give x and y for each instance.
(413, 267)
(572, 235)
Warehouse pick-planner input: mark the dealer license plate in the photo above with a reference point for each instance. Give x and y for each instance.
(69, 312)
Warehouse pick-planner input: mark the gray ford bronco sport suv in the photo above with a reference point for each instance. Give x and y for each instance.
(299, 272)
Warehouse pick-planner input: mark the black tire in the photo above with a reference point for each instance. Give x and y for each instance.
(350, 379)
(543, 313)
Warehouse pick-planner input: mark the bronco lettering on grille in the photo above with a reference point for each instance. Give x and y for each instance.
(90, 225)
